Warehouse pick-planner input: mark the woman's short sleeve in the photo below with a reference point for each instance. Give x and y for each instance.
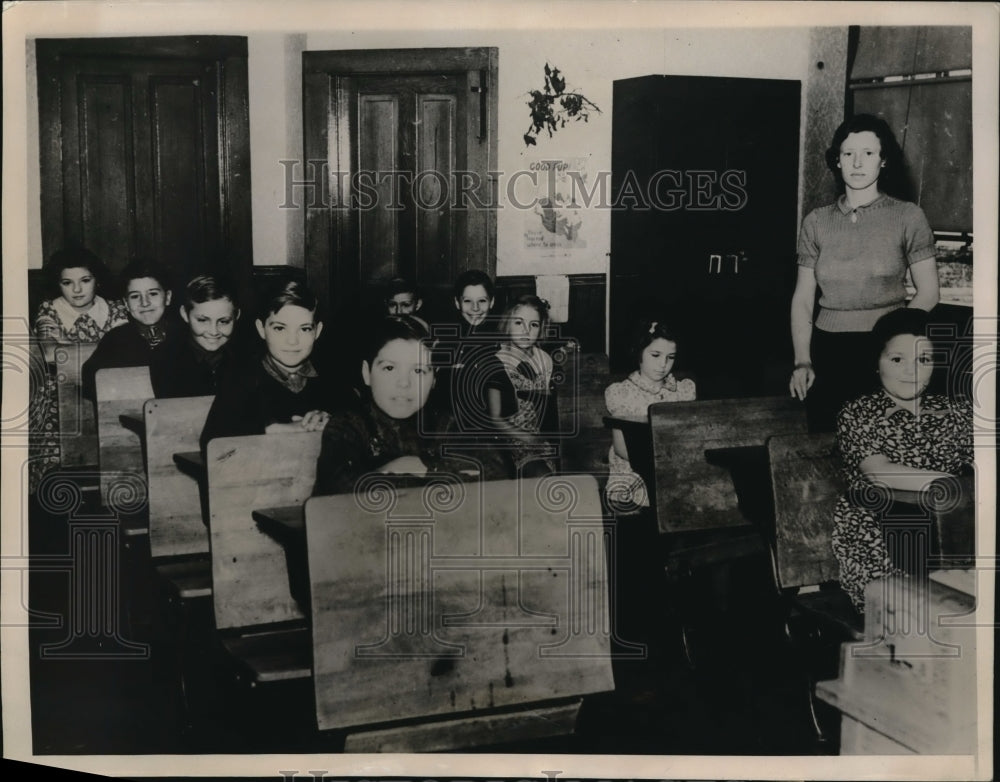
(808, 247)
(918, 238)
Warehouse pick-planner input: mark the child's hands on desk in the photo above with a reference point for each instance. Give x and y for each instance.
(312, 421)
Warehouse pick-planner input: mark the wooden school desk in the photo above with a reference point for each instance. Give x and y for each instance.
(467, 603)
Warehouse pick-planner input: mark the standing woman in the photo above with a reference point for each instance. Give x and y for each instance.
(856, 251)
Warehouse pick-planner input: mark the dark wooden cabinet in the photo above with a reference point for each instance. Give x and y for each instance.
(704, 224)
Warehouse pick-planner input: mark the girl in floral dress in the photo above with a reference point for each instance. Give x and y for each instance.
(77, 314)
(900, 437)
(529, 370)
(654, 350)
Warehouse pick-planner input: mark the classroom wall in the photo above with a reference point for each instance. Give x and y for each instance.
(590, 60)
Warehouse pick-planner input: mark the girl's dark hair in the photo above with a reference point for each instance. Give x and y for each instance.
(906, 320)
(73, 258)
(472, 277)
(528, 300)
(892, 176)
(141, 269)
(206, 287)
(390, 328)
(645, 332)
(291, 292)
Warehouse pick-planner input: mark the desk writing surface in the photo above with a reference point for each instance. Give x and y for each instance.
(133, 423)
(287, 518)
(693, 489)
(442, 600)
(191, 462)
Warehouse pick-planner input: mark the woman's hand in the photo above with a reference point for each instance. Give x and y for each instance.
(405, 465)
(802, 379)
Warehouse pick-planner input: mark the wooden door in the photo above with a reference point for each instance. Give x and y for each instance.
(145, 151)
(402, 142)
(705, 181)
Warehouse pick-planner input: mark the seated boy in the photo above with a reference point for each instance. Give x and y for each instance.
(133, 344)
(393, 431)
(281, 391)
(195, 362)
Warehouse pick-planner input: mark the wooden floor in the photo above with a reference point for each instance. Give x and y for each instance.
(735, 691)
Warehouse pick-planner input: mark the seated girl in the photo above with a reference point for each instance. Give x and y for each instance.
(529, 370)
(76, 314)
(900, 437)
(192, 365)
(147, 330)
(392, 431)
(654, 351)
(281, 391)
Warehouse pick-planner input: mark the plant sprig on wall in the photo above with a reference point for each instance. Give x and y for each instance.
(553, 106)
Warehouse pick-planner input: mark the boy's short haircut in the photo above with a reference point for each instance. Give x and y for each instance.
(207, 287)
(391, 328)
(291, 292)
(472, 277)
(141, 269)
(399, 285)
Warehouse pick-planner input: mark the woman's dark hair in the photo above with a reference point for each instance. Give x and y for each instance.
(206, 287)
(892, 178)
(140, 269)
(390, 328)
(291, 292)
(472, 277)
(73, 258)
(528, 300)
(906, 320)
(643, 335)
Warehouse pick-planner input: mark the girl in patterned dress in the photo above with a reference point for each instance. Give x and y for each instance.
(899, 437)
(529, 369)
(654, 350)
(78, 314)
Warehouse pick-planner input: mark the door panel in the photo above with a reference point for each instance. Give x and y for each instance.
(105, 219)
(133, 130)
(395, 129)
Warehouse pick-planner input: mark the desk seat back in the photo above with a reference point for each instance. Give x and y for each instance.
(444, 599)
(120, 391)
(249, 571)
(176, 523)
(806, 478)
(694, 491)
(77, 423)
